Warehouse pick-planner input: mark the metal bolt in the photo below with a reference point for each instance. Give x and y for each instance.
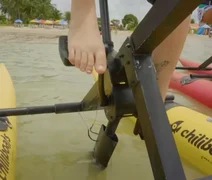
(121, 56)
(128, 45)
(132, 83)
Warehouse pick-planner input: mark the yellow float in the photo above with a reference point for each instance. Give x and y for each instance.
(192, 131)
(8, 137)
(193, 135)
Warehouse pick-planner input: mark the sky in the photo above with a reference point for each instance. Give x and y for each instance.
(137, 7)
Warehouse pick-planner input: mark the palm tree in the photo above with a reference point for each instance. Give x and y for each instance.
(67, 16)
(29, 9)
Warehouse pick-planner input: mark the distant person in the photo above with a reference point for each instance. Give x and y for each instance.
(205, 12)
(86, 49)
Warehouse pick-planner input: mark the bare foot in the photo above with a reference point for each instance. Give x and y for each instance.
(86, 49)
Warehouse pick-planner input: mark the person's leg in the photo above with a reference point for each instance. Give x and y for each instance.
(166, 55)
(207, 17)
(86, 49)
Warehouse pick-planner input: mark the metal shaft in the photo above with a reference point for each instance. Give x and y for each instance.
(105, 21)
(57, 109)
(195, 68)
(201, 75)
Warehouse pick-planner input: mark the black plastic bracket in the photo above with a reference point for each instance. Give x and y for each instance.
(187, 80)
(104, 147)
(63, 50)
(4, 124)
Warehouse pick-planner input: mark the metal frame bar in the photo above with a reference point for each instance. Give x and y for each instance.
(159, 22)
(137, 71)
(203, 66)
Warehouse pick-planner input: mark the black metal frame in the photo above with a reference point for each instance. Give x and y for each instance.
(203, 66)
(134, 89)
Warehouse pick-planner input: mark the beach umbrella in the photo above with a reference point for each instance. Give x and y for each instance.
(49, 22)
(63, 22)
(34, 21)
(42, 21)
(57, 21)
(18, 21)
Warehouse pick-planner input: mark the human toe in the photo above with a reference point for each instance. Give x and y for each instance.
(90, 63)
(84, 61)
(71, 56)
(100, 62)
(77, 58)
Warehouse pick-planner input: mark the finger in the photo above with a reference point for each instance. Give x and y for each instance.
(100, 62)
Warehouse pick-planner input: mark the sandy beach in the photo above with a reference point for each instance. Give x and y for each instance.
(42, 35)
(12, 34)
(57, 145)
(32, 31)
(49, 32)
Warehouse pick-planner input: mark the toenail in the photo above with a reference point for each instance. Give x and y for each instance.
(100, 67)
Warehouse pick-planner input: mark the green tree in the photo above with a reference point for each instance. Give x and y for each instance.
(55, 13)
(3, 19)
(130, 21)
(192, 21)
(29, 9)
(12, 7)
(67, 16)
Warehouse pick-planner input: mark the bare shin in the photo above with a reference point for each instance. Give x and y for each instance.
(166, 55)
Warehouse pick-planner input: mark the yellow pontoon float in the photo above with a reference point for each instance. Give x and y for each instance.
(193, 135)
(191, 130)
(7, 127)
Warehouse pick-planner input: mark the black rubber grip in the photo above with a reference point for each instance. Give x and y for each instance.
(63, 50)
(201, 76)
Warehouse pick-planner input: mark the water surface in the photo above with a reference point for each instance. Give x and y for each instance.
(51, 147)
